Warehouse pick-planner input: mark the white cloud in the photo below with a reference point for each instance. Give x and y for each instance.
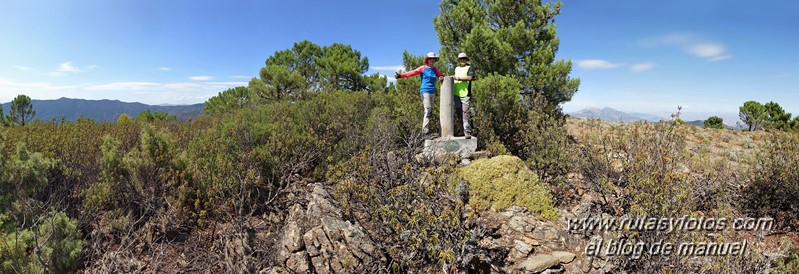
(91, 67)
(174, 97)
(240, 77)
(719, 58)
(164, 69)
(200, 78)
(33, 85)
(389, 68)
(596, 64)
(120, 86)
(642, 67)
(22, 68)
(228, 83)
(706, 50)
(36, 90)
(181, 86)
(68, 67)
(692, 44)
(667, 40)
(124, 86)
(154, 86)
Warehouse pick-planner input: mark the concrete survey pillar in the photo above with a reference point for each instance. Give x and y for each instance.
(445, 112)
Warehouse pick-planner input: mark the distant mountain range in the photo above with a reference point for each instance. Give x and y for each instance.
(612, 115)
(698, 123)
(102, 110)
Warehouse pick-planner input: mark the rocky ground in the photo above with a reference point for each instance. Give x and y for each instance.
(315, 239)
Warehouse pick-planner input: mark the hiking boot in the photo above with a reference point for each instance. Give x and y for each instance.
(468, 135)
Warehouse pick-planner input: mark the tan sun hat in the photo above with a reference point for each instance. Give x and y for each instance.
(462, 55)
(431, 55)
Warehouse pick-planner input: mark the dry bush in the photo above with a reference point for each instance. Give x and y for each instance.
(636, 167)
(644, 170)
(774, 182)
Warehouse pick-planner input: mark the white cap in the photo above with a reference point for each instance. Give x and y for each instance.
(462, 55)
(431, 55)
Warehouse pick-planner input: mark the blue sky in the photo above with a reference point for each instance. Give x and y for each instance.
(636, 56)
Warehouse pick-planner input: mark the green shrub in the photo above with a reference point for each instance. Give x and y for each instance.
(405, 110)
(84, 120)
(790, 262)
(503, 181)
(101, 193)
(52, 246)
(151, 173)
(14, 253)
(500, 114)
(497, 148)
(268, 147)
(528, 127)
(62, 242)
(53, 243)
(544, 141)
(21, 175)
(338, 120)
(147, 116)
(75, 152)
(141, 181)
(124, 119)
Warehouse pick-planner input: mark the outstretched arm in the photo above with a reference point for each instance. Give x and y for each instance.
(412, 73)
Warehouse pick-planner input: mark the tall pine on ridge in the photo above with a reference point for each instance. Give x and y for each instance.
(508, 37)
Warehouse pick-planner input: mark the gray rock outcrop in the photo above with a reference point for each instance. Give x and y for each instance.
(317, 240)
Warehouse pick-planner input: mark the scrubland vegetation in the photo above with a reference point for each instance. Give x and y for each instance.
(77, 191)
(155, 194)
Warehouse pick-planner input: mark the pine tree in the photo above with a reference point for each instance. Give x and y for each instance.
(752, 113)
(22, 112)
(714, 122)
(508, 37)
(776, 117)
(230, 99)
(2, 117)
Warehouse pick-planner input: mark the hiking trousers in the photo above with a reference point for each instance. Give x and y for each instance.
(427, 101)
(462, 112)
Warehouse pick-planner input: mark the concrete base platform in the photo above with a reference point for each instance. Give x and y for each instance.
(453, 145)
